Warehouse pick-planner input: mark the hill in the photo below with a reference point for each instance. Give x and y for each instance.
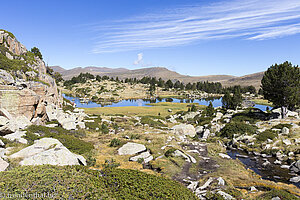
(251, 79)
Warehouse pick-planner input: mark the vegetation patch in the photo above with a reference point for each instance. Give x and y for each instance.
(78, 182)
(267, 134)
(237, 128)
(67, 138)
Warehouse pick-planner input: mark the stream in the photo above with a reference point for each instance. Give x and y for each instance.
(271, 172)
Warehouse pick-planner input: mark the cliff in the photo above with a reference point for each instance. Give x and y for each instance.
(25, 87)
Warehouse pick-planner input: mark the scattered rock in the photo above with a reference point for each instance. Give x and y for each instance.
(253, 189)
(295, 167)
(207, 183)
(131, 148)
(287, 142)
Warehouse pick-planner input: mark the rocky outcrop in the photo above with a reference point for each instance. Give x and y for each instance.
(48, 151)
(25, 94)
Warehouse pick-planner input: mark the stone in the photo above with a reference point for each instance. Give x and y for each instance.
(6, 78)
(295, 167)
(48, 151)
(187, 157)
(169, 110)
(193, 185)
(131, 148)
(207, 183)
(295, 179)
(206, 134)
(146, 156)
(287, 142)
(221, 181)
(284, 166)
(1, 143)
(253, 189)
(277, 162)
(184, 129)
(285, 131)
(199, 129)
(222, 155)
(17, 136)
(275, 198)
(3, 164)
(225, 195)
(20, 122)
(3, 121)
(266, 164)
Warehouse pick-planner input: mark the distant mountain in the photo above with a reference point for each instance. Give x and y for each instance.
(161, 72)
(250, 79)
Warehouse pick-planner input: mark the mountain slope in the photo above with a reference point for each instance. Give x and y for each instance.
(250, 79)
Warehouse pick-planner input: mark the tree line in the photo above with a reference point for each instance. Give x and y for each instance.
(209, 87)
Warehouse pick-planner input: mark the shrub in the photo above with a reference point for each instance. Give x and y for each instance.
(282, 194)
(104, 129)
(267, 134)
(236, 128)
(140, 160)
(280, 126)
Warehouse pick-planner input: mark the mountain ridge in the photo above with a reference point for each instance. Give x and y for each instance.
(161, 72)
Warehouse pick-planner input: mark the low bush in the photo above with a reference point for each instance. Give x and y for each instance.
(280, 126)
(267, 134)
(282, 194)
(170, 152)
(237, 128)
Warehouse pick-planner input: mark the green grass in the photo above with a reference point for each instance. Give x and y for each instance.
(161, 107)
(78, 182)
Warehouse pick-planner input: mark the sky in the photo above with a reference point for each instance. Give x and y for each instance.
(203, 37)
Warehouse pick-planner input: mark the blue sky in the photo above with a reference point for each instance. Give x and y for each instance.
(192, 37)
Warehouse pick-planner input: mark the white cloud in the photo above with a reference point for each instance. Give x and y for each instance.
(139, 59)
(249, 19)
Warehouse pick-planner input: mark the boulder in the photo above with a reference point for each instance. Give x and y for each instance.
(17, 136)
(222, 155)
(20, 122)
(48, 151)
(287, 142)
(3, 121)
(199, 129)
(206, 134)
(131, 148)
(187, 157)
(3, 164)
(146, 156)
(184, 129)
(225, 195)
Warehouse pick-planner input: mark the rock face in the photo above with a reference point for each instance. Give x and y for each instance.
(131, 148)
(19, 96)
(184, 129)
(48, 151)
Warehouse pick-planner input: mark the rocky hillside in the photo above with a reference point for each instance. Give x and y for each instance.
(25, 88)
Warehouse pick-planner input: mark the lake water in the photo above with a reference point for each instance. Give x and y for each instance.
(143, 102)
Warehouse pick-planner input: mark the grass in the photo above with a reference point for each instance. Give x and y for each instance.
(154, 110)
(262, 102)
